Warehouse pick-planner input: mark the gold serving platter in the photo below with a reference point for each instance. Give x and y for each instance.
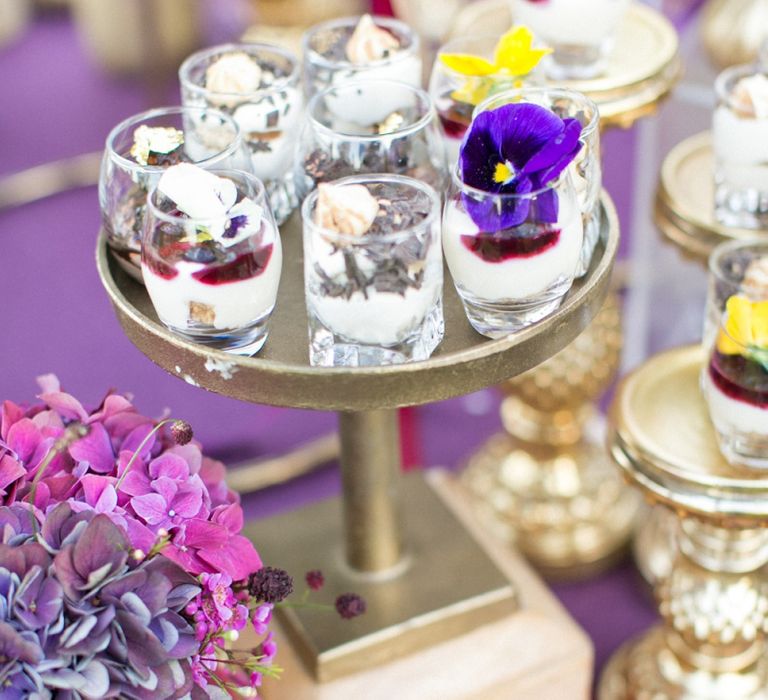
(281, 375)
(642, 69)
(661, 436)
(684, 210)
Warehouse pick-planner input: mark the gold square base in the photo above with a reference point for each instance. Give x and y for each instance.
(445, 587)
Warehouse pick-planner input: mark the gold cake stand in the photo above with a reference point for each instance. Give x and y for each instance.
(433, 585)
(714, 600)
(641, 71)
(684, 209)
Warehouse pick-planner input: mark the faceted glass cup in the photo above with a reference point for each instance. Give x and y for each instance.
(326, 64)
(740, 144)
(376, 299)
(581, 33)
(205, 288)
(509, 278)
(376, 126)
(735, 386)
(269, 116)
(211, 140)
(585, 168)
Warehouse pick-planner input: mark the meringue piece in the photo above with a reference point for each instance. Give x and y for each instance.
(155, 139)
(369, 42)
(233, 73)
(196, 192)
(751, 96)
(347, 209)
(755, 282)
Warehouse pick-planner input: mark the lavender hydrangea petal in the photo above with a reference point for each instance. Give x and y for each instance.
(95, 449)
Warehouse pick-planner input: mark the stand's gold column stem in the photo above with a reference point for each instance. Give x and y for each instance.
(370, 470)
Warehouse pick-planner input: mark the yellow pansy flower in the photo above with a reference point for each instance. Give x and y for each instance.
(746, 327)
(514, 56)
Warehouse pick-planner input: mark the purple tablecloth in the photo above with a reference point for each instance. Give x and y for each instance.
(56, 317)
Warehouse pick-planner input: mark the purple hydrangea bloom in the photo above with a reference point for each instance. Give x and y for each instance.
(516, 149)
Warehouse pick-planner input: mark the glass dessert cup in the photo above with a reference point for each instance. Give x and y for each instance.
(510, 277)
(214, 280)
(456, 94)
(740, 144)
(326, 62)
(585, 169)
(211, 139)
(735, 383)
(376, 298)
(736, 267)
(377, 126)
(581, 33)
(264, 97)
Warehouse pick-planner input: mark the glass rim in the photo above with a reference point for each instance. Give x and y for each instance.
(250, 48)
(723, 249)
(568, 93)
(310, 200)
(477, 193)
(259, 197)
(741, 70)
(400, 132)
(133, 121)
(404, 29)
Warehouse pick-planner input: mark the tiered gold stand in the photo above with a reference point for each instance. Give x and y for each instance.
(714, 600)
(546, 483)
(434, 584)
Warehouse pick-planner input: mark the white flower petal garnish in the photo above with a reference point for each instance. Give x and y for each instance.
(370, 42)
(347, 209)
(233, 73)
(196, 192)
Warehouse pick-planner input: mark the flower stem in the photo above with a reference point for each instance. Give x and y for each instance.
(138, 450)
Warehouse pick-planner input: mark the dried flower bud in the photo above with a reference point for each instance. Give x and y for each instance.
(350, 605)
(181, 432)
(315, 579)
(270, 584)
(370, 42)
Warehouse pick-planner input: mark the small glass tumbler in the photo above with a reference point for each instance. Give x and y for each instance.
(215, 290)
(264, 97)
(735, 382)
(376, 299)
(740, 144)
(585, 168)
(456, 94)
(735, 268)
(581, 33)
(513, 257)
(326, 62)
(376, 126)
(211, 140)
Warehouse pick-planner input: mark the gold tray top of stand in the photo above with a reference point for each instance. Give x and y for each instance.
(661, 436)
(281, 375)
(685, 211)
(642, 69)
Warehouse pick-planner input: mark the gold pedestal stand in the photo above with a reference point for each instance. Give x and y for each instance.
(714, 600)
(432, 585)
(544, 484)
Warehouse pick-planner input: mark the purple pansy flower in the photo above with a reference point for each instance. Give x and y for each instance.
(515, 149)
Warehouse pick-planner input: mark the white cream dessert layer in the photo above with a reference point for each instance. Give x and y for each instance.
(571, 22)
(731, 415)
(383, 318)
(233, 304)
(517, 277)
(741, 148)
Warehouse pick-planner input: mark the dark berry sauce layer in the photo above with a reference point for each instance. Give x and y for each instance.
(243, 267)
(494, 248)
(740, 378)
(453, 129)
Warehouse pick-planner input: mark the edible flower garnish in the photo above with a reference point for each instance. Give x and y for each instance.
(157, 145)
(514, 56)
(515, 149)
(746, 329)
